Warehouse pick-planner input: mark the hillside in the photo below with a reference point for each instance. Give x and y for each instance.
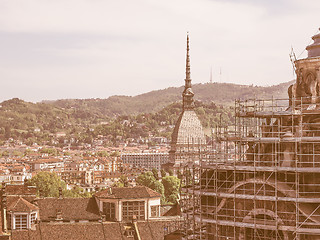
(219, 93)
(39, 123)
(152, 113)
(26, 120)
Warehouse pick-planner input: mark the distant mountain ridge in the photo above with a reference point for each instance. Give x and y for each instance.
(153, 112)
(220, 93)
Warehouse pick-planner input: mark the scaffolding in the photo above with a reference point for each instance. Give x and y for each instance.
(261, 177)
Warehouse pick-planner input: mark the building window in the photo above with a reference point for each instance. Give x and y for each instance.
(21, 221)
(109, 210)
(129, 209)
(33, 218)
(155, 211)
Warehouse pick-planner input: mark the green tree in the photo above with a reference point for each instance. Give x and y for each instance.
(67, 154)
(87, 154)
(172, 198)
(49, 151)
(117, 184)
(158, 187)
(123, 182)
(7, 132)
(163, 173)
(147, 179)
(27, 152)
(16, 153)
(88, 139)
(155, 173)
(47, 184)
(115, 154)
(171, 188)
(5, 153)
(170, 172)
(102, 154)
(76, 192)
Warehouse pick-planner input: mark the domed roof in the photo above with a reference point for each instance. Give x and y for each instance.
(314, 48)
(188, 130)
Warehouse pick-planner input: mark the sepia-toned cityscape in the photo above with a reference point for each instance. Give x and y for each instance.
(90, 149)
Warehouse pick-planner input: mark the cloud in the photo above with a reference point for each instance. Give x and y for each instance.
(99, 48)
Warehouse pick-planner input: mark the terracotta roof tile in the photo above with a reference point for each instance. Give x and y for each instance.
(21, 205)
(71, 208)
(128, 193)
(88, 231)
(20, 190)
(151, 230)
(175, 210)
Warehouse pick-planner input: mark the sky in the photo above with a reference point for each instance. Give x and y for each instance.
(97, 48)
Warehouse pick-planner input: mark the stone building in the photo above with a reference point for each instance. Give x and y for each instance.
(308, 75)
(145, 160)
(121, 204)
(188, 136)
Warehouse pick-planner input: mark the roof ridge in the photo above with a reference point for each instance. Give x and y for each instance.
(17, 202)
(20, 201)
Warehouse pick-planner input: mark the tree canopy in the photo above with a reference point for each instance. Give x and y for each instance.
(168, 187)
(147, 179)
(171, 188)
(47, 184)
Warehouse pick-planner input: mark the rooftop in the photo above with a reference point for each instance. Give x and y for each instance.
(87, 230)
(19, 204)
(128, 193)
(17, 190)
(70, 208)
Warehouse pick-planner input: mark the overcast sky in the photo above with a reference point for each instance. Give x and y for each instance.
(98, 48)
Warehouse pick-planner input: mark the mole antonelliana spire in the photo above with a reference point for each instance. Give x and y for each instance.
(188, 79)
(187, 94)
(188, 136)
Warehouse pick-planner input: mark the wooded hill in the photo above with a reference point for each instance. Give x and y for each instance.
(153, 112)
(219, 93)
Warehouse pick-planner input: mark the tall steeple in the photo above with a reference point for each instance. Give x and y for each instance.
(188, 132)
(188, 79)
(187, 94)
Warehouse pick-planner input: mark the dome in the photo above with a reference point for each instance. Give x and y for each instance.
(188, 130)
(314, 48)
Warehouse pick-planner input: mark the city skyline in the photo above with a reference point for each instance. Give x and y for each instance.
(95, 49)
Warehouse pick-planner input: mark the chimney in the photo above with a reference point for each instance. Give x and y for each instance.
(59, 215)
(134, 218)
